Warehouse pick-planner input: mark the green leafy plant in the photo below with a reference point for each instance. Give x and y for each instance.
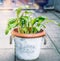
(26, 23)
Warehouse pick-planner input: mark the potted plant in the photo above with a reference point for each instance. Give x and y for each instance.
(28, 32)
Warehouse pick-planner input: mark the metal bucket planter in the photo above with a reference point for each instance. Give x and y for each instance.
(28, 45)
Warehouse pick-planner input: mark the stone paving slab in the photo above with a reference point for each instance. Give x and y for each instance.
(49, 55)
(49, 15)
(4, 39)
(57, 13)
(45, 55)
(6, 55)
(56, 40)
(54, 33)
(48, 44)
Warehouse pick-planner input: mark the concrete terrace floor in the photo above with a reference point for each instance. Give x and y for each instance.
(49, 52)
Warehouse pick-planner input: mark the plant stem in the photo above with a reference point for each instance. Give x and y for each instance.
(18, 24)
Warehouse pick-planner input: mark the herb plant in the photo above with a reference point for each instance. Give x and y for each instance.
(26, 23)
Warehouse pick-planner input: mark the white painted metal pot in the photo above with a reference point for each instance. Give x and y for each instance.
(28, 47)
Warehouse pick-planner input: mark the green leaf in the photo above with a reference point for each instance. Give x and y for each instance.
(38, 19)
(58, 24)
(28, 12)
(38, 28)
(33, 21)
(25, 29)
(23, 21)
(34, 30)
(18, 11)
(11, 24)
(7, 31)
(11, 21)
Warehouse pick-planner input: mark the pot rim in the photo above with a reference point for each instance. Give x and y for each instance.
(15, 33)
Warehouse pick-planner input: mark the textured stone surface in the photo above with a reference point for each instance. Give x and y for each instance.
(6, 55)
(45, 55)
